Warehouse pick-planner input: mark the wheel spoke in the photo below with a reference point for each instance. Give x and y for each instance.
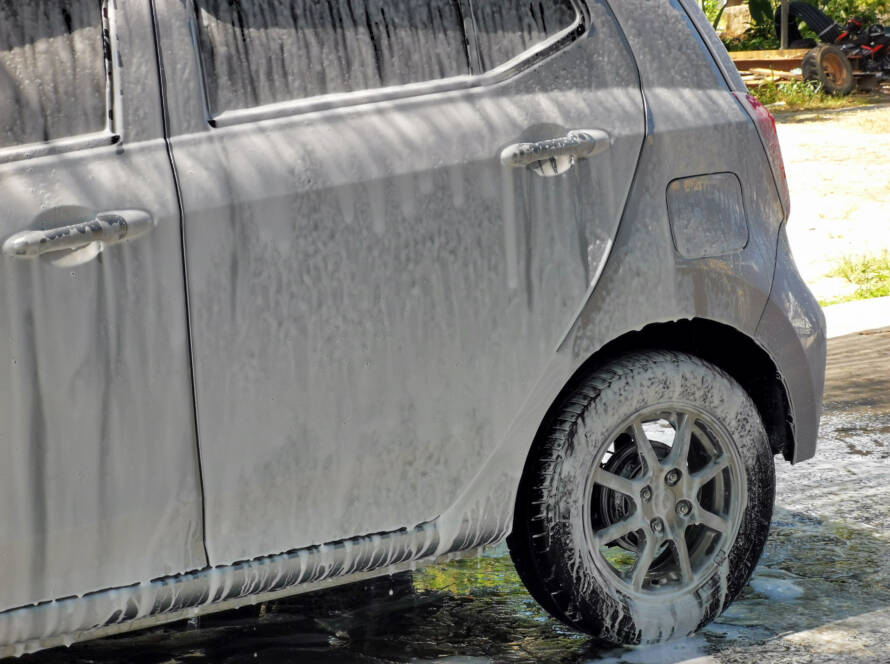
(644, 447)
(617, 530)
(710, 471)
(711, 520)
(684, 562)
(616, 482)
(644, 562)
(682, 438)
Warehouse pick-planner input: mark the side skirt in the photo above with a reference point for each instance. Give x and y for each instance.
(168, 599)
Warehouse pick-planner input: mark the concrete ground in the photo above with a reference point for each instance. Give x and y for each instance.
(849, 317)
(858, 374)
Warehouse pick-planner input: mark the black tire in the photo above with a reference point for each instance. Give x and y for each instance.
(817, 20)
(827, 65)
(550, 543)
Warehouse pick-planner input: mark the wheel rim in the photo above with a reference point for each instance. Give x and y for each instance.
(673, 504)
(834, 69)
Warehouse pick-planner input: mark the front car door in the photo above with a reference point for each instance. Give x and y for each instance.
(99, 481)
(373, 293)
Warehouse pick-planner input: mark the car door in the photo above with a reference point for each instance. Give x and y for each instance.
(373, 292)
(98, 469)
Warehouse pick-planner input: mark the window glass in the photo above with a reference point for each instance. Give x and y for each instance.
(258, 52)
(506, 28)
(52, 70)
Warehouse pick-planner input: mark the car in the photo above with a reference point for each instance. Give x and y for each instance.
(297, 293)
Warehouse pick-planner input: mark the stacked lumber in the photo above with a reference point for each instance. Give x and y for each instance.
(758, 76)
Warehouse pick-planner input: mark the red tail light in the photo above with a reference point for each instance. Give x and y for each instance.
(766, 126)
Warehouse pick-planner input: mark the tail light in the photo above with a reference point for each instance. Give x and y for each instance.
(766, 127)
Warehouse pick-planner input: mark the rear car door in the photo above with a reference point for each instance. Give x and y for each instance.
(99, 480)
(373, 293)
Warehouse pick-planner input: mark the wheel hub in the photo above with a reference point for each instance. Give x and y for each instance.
(667, 498)
(671, 507)
(613, 506)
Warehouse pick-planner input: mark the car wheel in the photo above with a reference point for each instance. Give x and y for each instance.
(829, 66)
(647, 501)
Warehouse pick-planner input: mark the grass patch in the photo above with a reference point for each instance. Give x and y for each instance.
(470, 576)
(803, 95)
(870, 273)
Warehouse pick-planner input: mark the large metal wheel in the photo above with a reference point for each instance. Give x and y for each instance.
(667, 489)
(827, 65)
(646, 504)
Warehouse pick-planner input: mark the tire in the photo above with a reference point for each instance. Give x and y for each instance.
(815, 19)
(828, 65)
(596, 532)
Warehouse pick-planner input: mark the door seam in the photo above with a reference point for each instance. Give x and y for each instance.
(165, 122)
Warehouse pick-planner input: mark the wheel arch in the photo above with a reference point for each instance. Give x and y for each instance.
(487, 511)
(748, 363)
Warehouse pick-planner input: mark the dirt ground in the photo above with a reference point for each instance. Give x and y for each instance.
(838, 166)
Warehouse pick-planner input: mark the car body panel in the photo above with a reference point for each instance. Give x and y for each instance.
(793, 331)
(373, 293)
(695, 126)
(792, 326)
(98, 481)
(213, 589)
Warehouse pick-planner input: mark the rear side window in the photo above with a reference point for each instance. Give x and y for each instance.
(257, 52)
(507, 28)
(52, 70)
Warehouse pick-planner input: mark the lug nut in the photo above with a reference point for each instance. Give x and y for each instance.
(646, 494)
(657, 525)
(672, 477)
(684, 508)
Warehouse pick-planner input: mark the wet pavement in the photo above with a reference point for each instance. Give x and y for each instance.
(820, 594)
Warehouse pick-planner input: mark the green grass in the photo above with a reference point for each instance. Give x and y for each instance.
(870, 273)
(803, 95)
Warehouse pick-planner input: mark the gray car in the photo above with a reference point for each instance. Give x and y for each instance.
(298, 292)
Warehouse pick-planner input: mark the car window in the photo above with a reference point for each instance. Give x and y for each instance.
(258, 52)
(52, 70)
(507, 28)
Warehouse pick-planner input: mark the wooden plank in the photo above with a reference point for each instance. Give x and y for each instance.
(778, 65)
(775, 73)
(791, 53)
(778, 60)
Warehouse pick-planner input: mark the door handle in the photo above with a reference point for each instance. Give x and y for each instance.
(106, 228)
(556, 155)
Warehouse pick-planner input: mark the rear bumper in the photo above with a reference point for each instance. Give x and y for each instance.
(792, 329)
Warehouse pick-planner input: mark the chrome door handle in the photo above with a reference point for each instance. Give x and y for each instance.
(557, 155)
(106, 228)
